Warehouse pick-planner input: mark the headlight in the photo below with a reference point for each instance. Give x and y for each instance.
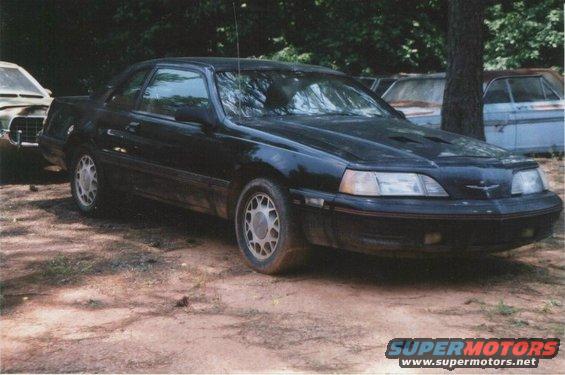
(390, 184)
(529, 181)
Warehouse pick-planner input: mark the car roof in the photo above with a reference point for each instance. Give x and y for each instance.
(5, 64)
(232, 64)
(489, 75)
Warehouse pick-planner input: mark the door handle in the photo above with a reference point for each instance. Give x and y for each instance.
(132, 126)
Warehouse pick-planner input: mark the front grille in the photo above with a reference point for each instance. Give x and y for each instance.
(29, 127)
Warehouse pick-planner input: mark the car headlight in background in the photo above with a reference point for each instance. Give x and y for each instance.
(529, 181)
(390, 184)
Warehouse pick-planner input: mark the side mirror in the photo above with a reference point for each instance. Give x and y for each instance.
(196, 114)
(49, 92)
(400, 114)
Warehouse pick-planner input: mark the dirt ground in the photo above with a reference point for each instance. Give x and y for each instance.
(153, 288)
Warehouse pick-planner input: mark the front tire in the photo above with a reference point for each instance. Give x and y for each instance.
(88, 187)
(268, 233)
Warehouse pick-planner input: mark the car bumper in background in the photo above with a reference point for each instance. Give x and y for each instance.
(408, 227)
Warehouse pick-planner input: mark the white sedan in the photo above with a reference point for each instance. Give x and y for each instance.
(23, 106)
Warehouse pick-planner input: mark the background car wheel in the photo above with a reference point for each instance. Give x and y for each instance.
(87, 182)
(268, 234)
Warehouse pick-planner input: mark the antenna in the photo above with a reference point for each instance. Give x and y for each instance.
(238, 58)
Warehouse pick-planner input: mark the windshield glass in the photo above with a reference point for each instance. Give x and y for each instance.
(416, 93)
(13, 80)
(275, 93)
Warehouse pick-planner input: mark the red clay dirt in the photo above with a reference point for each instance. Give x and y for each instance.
(152, 288)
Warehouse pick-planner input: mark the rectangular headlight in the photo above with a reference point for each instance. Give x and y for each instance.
(390, 184)
(529, 181)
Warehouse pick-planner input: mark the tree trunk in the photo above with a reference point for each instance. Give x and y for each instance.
(462, 110)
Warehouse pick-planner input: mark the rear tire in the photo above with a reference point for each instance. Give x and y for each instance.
(88, 186)
(268, 233)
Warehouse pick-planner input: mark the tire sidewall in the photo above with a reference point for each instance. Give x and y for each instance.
(280, 201)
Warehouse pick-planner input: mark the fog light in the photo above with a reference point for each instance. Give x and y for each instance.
(528, 232)
(432, 238)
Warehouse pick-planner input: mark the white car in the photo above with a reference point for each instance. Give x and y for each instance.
(523, 109)
(23, 106)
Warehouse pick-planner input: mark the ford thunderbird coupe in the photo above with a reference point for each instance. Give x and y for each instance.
(294, 155)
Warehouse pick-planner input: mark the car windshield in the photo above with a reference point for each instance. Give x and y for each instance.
(426, 92)
(276, 93)
(14, 81)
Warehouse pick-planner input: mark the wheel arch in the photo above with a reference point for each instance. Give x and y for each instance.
(73, 142)
(248, 172)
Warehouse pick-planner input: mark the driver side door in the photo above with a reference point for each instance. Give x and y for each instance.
(170, 154)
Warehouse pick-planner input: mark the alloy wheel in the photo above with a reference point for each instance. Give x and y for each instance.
(261, 226)
(86, 180)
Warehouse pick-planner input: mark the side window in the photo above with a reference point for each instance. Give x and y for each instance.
(526, 89)
(497, 92)
(171, 89)
(124, 96)
(549, 93)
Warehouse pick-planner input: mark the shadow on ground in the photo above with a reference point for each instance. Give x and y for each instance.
(143, 222)
(27, 166)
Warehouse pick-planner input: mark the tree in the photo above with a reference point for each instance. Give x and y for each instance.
(462, 110)
(522, 34)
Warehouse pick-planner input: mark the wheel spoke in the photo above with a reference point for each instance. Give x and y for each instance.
(261, 224)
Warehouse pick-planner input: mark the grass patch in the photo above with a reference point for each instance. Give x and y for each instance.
(519, 323)
(61, 269)
(549, 305)
(503, 309)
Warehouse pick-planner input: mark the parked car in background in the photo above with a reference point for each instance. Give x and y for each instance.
(23, 106)
(523, 109)
(294, 154)
(378, 85)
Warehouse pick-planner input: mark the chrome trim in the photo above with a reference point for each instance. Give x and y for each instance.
(19, 143)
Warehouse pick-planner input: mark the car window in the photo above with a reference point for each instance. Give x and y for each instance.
(12, 80)
(497, 92)
(384, 85)
(526, 89)
(416, 92)
(171, 89)
(367, 81)
(549, 93)
(259, 93)
(125, 95)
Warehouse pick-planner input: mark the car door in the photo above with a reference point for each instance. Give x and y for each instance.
(171, 155)
(112, 120)
(539, 115)
(498, 109)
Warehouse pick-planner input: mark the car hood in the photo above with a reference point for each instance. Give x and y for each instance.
(378, 140)
(18, 101)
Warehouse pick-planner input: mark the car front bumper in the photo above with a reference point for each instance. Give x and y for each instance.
(420, 227)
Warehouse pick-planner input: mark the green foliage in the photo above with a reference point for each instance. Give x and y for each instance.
(288, 53)
(74, 46)
(524, 34)
(503, 309)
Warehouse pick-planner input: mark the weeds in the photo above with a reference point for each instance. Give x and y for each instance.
(61, 269)
(549, 305)
(502, 309)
